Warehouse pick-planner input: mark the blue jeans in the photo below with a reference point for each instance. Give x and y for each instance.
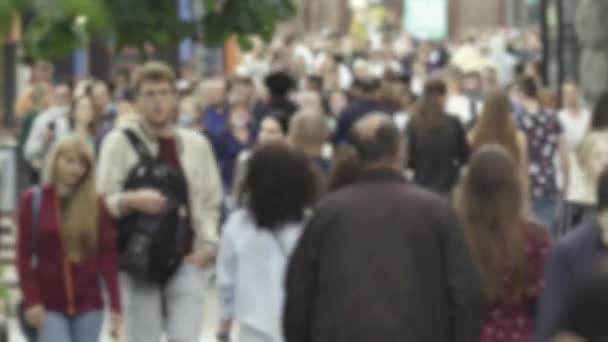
(62, 328)
(545, 210)
(150, 310)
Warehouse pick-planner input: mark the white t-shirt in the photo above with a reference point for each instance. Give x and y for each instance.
(575, 126)
(460, 106)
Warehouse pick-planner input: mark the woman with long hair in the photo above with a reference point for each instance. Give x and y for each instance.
(509, 250)
(437, 143)
(257, 241)
(497, 126)
(66, 249)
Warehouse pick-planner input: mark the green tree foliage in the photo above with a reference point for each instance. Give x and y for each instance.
(57, 26)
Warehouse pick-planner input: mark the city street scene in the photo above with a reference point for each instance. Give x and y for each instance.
(303, 171)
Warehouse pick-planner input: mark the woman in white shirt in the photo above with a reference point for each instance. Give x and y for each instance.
(257, 242)
(576, 122)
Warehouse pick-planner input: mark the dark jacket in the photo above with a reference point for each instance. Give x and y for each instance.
(351, 114)
(436, 156)
(57, 283)
(382, 261)
(570, 262)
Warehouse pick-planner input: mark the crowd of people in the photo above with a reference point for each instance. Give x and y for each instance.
(406, 192)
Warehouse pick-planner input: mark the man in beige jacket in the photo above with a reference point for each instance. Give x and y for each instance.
(177, 306)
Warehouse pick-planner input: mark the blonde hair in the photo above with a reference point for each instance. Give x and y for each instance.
(80, 219)
(585, 150)
(308, 130)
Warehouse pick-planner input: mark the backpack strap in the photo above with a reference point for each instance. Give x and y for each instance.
(138, 145)
(35, 218)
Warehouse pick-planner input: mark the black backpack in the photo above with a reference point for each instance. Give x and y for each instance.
(152, 246)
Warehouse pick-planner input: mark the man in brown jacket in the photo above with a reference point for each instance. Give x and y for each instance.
(381, 260)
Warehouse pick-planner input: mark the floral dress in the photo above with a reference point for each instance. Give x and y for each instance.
(507, 320)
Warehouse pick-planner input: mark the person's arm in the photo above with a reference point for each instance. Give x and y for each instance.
(524, 161)
(33, 142)
(301, 282)
(410, 140)
(463, 144)
(227, 265)
(465, 294)
(558, 284)
(240, 175)
(112, 173)
(210, 199)
(108, 256)
(28, 275)
(564, 157)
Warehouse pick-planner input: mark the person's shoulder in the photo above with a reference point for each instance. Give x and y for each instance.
(577, 237)
(117, 136)
(193, 138)
(238, 220)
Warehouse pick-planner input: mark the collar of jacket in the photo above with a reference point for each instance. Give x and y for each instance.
(381, 174)
(149, 135)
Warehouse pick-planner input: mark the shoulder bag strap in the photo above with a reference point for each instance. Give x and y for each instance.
(138, 145)
(35, 218)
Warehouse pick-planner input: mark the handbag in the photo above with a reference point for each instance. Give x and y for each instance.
(29, 331)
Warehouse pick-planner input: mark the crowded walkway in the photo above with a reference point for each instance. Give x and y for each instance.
(322, 192)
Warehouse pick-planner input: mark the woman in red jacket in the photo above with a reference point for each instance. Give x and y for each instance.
(74, 255)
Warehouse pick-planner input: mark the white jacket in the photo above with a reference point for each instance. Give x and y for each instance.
(251, 268)
(117, 158)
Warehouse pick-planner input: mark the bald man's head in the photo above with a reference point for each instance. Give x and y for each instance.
(377, 140)
(308, 131)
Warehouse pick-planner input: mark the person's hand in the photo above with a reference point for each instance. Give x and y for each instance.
(36, 316)
(202, 257)
(115, 324)
(146, 201)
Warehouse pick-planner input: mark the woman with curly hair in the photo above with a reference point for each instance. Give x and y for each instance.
(281, 184)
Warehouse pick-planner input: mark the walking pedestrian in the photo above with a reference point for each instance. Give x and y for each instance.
(166, 297)
(47, 127)
(257, 241)
(381, 260)
(497, 126)
(238, 136)
(545, 143)
(570, 262)
(508, 249)
(273, 129)
(308, 133)
(575, 119)
(437, 143)
(66, 249)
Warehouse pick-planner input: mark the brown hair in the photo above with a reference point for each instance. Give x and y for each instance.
(79, 230)
(496, 126)
(429, 112)
(489, 202)
(153, 71)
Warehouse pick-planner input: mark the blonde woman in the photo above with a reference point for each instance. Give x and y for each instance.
(66, 249)
(591, 160)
